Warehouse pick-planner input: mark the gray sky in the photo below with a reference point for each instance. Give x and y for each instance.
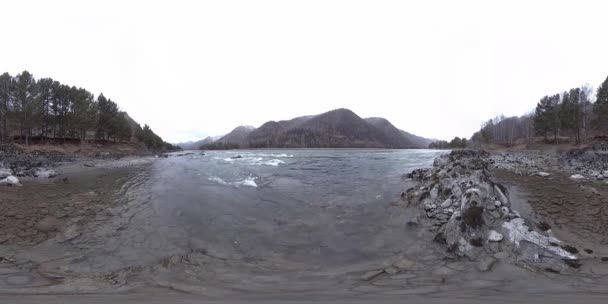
(196, 68)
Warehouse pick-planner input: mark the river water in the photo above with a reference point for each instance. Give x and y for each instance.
(315, 207)
(272, 222)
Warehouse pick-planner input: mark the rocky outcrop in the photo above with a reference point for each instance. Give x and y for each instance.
(472, 215)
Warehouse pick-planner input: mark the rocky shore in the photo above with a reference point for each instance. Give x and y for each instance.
(469, 201)
(474, 217)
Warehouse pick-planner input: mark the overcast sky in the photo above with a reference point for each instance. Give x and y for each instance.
(195, 68)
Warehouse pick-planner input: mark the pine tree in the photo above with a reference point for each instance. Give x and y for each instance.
(107, 113)
(25, 96)
(600, 108)
(45, 95)
(541, 117)
(5, 104)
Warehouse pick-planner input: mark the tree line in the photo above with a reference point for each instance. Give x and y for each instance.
(50, 111)
(456, 143)
(575, 113)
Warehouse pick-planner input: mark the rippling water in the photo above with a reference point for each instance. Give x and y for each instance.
(296, 206)
(262, 219)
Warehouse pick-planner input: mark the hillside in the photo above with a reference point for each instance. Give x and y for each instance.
(194, 145)
(339, 128)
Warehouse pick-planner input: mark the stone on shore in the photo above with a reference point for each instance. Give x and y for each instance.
(486, 264)
(10, 181)
(447, 203)
(494, 236)
(47, 224)
(5, 172)
(45, 173)
(577, 176)
(404, 264)
(370, 275)
(543, 174)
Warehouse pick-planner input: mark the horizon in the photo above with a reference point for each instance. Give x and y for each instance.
(201, 69)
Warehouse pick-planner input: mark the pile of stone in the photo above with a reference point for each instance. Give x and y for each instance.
(590, 161)
(472, 215)
(20, 163)
(525, 163)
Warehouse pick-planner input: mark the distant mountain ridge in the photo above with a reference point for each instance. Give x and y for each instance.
(194, 145)
(339, 128)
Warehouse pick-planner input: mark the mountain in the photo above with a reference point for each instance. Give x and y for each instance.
(339, 128)
(418, 141)
(398, 136)
(194, 145)
(238, 136)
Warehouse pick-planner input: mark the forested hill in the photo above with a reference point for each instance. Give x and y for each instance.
(339, 128)
(45, 110)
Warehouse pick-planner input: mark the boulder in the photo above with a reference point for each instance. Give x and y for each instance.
(494, 236)
(370, 275)
(543, 174)
(10, 181)
(404, 264)
(605, 173)
(486, 263)
(45, 173)
(501, 196)
(577, 176)
(5, 172)
(47, 224)
(447, 203)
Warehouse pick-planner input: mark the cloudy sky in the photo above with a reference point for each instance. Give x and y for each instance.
(196, 68)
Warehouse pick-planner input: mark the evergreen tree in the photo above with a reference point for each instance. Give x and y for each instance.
(46, 94)
(600, 108)
(108, 112)
(5, 104)
(25, 97)
(83, 115)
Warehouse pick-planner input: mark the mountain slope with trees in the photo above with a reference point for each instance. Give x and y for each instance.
(573, 116)
(45, 110)
(339, 128)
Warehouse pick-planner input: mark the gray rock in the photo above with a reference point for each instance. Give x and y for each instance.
(434, 193)
(404, 264)
(47, 224)
(494, 236)
(45, 173)
(413, 222)
(486, 264)
(370, 275)
(501, 197)
(501, 255)
(391, 270)
(10, 181)
(443, 271)
(5, 172)
(447, 203)
(605, 173)
(405, 276)
(543, 174)
(577, 176)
